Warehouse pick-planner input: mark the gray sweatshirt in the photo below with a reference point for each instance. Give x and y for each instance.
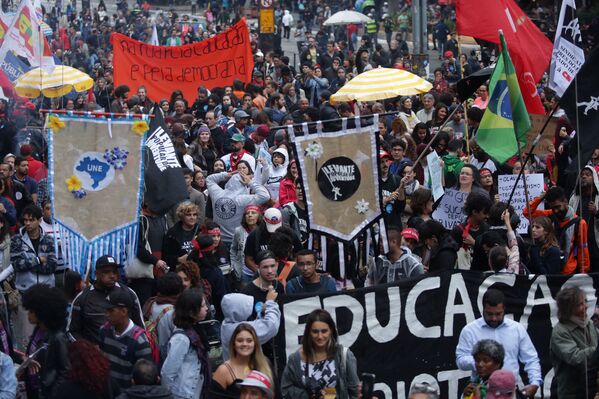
(228, 204)
(237, 308)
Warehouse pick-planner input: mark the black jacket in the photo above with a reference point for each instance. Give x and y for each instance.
(88, 313)
(55, 364)
(445, 256)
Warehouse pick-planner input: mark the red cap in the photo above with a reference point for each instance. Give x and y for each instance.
(384, 154)
(448, 54)
(410, 232)
(263, 131)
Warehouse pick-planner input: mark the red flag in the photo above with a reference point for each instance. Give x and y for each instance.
(530, 49)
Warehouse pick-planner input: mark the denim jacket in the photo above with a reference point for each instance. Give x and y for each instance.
(181, 370)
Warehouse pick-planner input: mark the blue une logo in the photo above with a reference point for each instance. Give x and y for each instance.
(94, 172)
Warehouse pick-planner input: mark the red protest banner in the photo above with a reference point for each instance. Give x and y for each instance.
(163, 69)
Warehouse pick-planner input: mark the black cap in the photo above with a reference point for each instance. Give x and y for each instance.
(118, 298)
(105, 261)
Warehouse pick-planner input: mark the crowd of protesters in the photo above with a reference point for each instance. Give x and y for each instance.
(204, 325)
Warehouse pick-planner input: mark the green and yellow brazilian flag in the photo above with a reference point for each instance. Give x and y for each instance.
(505, 117)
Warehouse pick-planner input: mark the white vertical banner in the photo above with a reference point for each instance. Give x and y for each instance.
(568, 55)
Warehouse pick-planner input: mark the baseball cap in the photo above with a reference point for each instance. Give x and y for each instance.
(501, 385)
(448, 54)
(238, 137)
(258, 380)
(410, 232)
(259, 53)
(273, 219)
(118, 298)
(384, 154)
(106, 261)
(240, 114)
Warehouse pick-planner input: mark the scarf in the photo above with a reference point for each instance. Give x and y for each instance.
(579, 321)
(234, 159)
(37, 339)
(198, 343)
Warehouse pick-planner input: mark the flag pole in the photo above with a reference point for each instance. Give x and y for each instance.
(579, 170)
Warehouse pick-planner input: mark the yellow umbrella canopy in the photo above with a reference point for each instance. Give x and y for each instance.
(381, 83)
(57, 82)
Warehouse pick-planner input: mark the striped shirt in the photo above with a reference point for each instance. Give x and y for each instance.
(124, 350)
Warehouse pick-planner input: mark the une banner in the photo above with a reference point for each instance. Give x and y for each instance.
(407, 332)
(163, 69)
(95, 180)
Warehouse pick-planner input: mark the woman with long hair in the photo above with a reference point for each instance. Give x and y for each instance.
(488, 184)
(47, 311)
(245, 355)
(186, 370)
(440, 115)
(287, 187)
(421, 134)
(90, 373)
(545, 252)
(199, 181)
(322, 365)
(422, 207)
(573, 346)
(203, 151)
(407, 114)
(252, 218)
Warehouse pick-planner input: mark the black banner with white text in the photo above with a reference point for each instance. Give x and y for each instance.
(409, 330)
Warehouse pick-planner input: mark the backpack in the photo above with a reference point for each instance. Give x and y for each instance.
(152, 329)
(137, 331)
(571, 261)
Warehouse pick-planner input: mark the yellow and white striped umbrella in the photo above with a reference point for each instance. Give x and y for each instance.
(381, 83)
(55, 83)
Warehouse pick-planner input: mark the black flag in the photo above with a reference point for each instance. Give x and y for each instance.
(468, 85)
(164, 183)
(587, 106)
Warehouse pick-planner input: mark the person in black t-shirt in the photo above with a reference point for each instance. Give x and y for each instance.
(389, 183)
(267, 264)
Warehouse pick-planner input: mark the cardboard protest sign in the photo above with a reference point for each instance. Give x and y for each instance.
(546, 140)
(535, 185)
(451, 208)
(163, 69)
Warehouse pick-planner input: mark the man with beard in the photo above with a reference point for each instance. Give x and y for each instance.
(512, 335)
(589, 182)
(570, 229)
(88, 313)
(339, 81)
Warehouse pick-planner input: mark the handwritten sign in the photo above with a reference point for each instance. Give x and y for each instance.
(451, 208)
(535, 185)
(546, 139)
(163, 69)
(436, 173)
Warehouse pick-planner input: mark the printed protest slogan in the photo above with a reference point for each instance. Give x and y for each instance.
(535, 185)
(451, 209)
(163, 69)
(340, 178)
(407, 331)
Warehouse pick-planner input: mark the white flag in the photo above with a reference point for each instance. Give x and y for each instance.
(154, 39)
(25, 38)
(568, 56)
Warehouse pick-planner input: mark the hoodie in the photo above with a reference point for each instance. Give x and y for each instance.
(593, 234)
(229, 203)
(276, 174)
(146, 391)
(237, 308)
